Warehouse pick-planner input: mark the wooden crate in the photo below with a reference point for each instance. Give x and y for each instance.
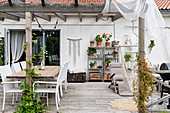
(94, 75)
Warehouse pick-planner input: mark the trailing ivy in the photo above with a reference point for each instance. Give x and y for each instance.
(146, 84)
(30, 103)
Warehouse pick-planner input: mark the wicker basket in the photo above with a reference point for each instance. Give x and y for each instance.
(76, 77)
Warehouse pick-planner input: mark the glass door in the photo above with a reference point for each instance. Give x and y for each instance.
(50, 40)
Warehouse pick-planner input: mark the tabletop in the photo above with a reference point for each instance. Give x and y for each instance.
(48, 72)
(163, 71)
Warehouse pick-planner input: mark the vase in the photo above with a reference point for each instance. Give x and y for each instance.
(99, 44)
(113, 43)
(91, 66)
(42, 65)
(107, 66)
(117, 43)
(116, 55)
(105, 75)
(91, 44)
(107, 44)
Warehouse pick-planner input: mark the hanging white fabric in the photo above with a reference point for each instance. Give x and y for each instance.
(17, 41)
(128, 76)
(133, 9)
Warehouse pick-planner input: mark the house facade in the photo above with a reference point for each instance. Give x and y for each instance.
(86, 30)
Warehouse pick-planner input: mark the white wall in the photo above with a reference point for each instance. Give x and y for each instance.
(87, 30)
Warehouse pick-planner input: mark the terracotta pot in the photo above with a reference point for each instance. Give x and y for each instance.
(91, 66)
(99, 44)
(92, 55)
(107, 67)
(91, 44)
(107, 44)
(105, 75)
(108, 76)
(116, 55)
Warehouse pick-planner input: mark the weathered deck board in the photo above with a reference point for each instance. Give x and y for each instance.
(89, 97)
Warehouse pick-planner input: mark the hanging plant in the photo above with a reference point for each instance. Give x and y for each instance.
(128, 57)
(151, 45)
(146, 84)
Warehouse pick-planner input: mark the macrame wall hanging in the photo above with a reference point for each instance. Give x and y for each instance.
(75, 42)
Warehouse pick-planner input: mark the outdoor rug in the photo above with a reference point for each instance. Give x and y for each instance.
(124, 105)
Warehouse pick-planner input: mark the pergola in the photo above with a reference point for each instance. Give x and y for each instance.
(17, 9)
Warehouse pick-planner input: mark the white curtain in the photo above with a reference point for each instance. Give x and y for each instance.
(133, 9)
(17, 41)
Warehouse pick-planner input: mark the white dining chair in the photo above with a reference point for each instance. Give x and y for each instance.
(64, 78)
(23, 64)
(51, 90)
(15, 67)
(8, 84)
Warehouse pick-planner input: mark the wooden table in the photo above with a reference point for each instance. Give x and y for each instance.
(48, 72)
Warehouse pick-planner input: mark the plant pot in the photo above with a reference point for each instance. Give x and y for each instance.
(107, 44)
(99, 44)
(91, 66)
(116, 55)
(105, 75)
(107, 66)
(91, 44)
(92, 55)
(108, 76)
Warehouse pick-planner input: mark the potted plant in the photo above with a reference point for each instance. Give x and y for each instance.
(107, 62)
(99, 40)
(92, 43)
(151, 45)
(128, 58)
(115, 53)
(92, 64)
(107, 37)
(91, 52)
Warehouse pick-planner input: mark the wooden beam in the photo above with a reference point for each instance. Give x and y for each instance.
(20, 15)
(80, 17)
(141, 56)
(10, 3)
(57, 8)
(8, 16)
(98, 17)
(116, 17)
(45, 17)
(61, 16)
(28, 31)
(43, 2)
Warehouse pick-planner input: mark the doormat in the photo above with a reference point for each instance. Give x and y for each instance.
(124, 105)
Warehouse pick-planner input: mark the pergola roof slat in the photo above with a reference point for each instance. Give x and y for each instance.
(57, 8)
(8, 16)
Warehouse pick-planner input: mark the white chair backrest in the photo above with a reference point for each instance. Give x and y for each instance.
(16, 67)
(60, 75)
(23, 64)
(66, 68)
(6, 70)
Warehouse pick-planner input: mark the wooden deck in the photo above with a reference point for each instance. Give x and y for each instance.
(89, 97)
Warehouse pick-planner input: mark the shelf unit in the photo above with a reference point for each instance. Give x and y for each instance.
(101, 61)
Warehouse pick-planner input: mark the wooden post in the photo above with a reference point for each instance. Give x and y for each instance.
(28, 30)
(141, 51)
